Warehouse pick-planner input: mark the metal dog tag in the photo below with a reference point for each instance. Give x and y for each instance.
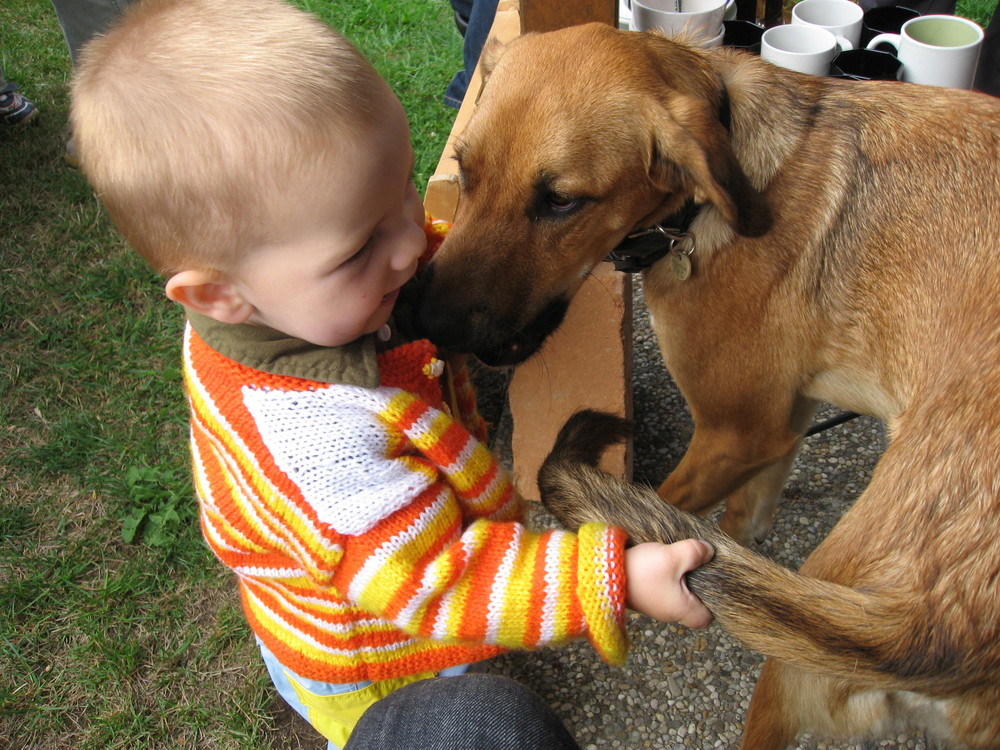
(680, 264)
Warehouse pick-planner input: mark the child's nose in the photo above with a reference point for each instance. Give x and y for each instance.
(411, 244)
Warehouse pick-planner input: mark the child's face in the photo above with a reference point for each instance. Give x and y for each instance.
(349, 241)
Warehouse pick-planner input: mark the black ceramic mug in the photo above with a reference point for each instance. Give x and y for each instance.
(866, 65)
(887, 19)
(742, 35)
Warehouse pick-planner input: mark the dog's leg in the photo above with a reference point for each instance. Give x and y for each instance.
(748, 416)
(722, 458)
(788, 701)
(750, 510)
(767, 724)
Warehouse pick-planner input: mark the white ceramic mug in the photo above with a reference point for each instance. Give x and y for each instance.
(807, 49)
(697, 20)
(842, 18)
(937, 50)
(715, 41)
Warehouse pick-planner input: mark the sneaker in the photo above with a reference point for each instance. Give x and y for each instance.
(14, 108)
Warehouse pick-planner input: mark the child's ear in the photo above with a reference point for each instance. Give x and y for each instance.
(207, 293)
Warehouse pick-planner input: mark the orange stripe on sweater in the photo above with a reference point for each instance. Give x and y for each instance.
(359, 548)
(533, 624)
(257, 468)
(482, 571)
(448, 535)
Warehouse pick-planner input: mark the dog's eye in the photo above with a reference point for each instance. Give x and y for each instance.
(562, 204)
(551, 204)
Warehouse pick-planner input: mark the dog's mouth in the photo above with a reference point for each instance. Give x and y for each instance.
(494, 337)
(525, 342)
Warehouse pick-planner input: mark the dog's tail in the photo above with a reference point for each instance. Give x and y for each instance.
(817, 625)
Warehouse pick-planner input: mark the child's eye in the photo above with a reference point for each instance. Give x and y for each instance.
(362, 251)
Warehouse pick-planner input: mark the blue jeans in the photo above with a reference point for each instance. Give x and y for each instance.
(81, 20)
(333, 708)
(473, 711)
(480, 22)
(431, 713)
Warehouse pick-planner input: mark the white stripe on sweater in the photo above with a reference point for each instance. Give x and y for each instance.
(498, 593)
(205, 397)
(333, 445)
(444, 616)
(553, 563)
(288, 629)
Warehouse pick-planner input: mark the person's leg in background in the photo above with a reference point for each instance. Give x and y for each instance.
(988, 72)
(473, 711)
(82, 19)
(463, 9)
(480, 14)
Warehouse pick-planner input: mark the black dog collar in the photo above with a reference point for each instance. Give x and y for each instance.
(641, 249)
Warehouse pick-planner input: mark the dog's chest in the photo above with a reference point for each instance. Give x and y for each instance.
(853, 389)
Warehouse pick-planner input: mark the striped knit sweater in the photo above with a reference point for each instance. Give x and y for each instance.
(373, 536)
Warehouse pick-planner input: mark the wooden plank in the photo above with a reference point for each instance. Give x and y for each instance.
(549, 15)
(587, 363)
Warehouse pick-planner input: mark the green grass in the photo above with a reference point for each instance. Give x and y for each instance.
(117, 627)
(980, 11)
(104, 642)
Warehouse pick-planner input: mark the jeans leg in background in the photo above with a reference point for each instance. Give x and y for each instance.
(988, 72)
(82, 19)
(480, 22)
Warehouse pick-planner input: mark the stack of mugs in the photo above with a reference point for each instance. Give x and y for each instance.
(832, 37)
(698, 21)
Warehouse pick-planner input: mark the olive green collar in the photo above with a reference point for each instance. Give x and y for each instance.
(277, 353)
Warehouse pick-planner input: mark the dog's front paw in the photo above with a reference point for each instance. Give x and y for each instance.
(745, 530)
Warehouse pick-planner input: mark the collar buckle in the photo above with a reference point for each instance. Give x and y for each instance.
(641, 249)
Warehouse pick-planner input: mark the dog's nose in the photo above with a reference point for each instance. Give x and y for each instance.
(444, 325)
(468, 331)
(441, 317)
(456, 318)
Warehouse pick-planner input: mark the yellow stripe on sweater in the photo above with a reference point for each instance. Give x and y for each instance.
(277, 512)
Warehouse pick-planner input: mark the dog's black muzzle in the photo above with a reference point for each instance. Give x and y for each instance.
(496, 340)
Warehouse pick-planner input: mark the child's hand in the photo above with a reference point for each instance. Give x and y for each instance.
(655, 581)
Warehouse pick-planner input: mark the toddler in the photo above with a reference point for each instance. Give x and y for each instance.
(338, 463)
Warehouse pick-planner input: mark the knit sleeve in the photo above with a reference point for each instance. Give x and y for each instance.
(602, 588)
(429, 525)
(497, 583)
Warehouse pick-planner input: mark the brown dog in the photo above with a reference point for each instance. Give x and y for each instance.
(845, 249)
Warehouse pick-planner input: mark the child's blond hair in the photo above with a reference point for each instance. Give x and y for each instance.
(191, 115)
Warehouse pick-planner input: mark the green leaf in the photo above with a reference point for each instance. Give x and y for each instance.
(131, 524)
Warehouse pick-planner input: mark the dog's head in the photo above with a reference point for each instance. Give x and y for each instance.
(580, 136)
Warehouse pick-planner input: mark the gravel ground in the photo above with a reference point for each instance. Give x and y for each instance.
(684, 688)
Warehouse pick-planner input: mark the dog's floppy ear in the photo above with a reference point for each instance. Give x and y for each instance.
(691, 145)
(492, 49)
(491, 53)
